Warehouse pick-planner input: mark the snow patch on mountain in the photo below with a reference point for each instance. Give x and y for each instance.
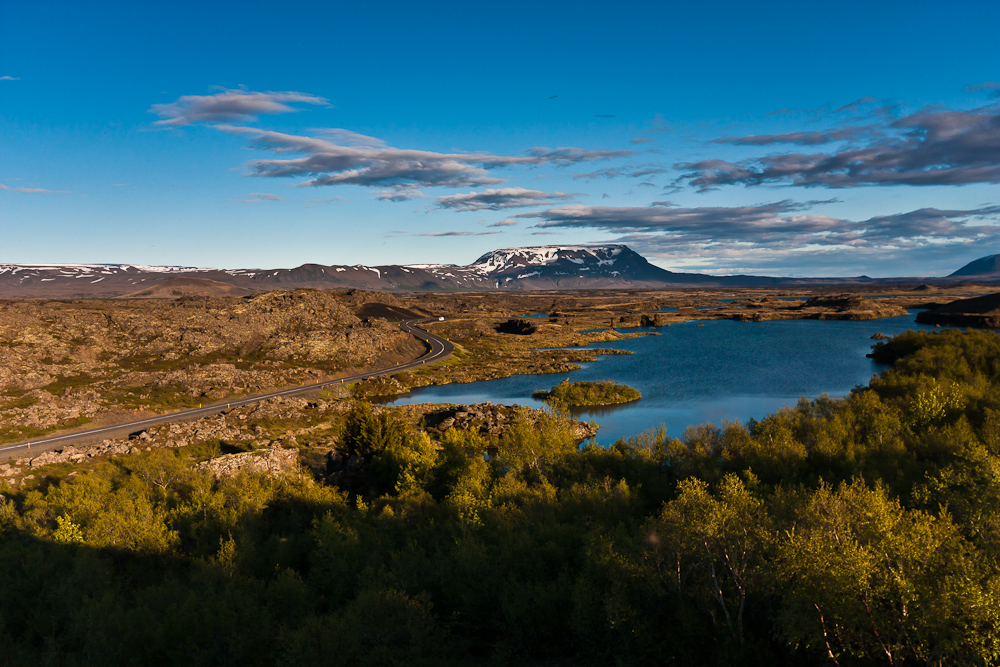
(88, 270)
(531, 267)
(512, 258)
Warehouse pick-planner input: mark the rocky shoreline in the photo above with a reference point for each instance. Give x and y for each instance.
(982, 312)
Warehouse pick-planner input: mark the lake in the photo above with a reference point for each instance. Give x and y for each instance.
(691, 374)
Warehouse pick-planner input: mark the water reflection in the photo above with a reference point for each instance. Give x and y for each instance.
(694, 372)
(586, 412)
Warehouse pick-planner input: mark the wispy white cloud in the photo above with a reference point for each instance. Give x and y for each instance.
(326, 200)
(34, 191)
(931, 146)
(780, 235)
(810, 138)
(348, 138)
(991, 86)
(10, 78)
(400, 194)
(326, 162)
(334, 156)
(496, 199)
(782, 222)
(258, 197)
(457, 233)
(229, 106)
(625, 171)
(783, 237)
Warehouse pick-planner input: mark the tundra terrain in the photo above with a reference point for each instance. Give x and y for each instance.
(65, 364)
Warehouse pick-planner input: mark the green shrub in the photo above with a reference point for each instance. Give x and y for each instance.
(602, 392)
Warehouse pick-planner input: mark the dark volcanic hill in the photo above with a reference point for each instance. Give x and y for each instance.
(567, 267)
(534, 268)
(984, 267)
(980, 311)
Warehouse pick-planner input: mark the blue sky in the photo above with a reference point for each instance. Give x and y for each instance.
(771, 138)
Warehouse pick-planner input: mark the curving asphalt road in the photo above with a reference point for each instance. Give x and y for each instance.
(440, 349)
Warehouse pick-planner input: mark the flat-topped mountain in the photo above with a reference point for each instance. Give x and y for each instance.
(547, 267)
(563, 267)
(553, 267)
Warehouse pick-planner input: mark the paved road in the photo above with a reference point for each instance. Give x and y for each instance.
(440, 349)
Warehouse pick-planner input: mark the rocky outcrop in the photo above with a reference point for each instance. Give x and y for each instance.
(275, 461)
(63, 363)
(518, 327)
(491, 420)
(39, 409)
(239, 428)
(767, 302)
(981, 312)
(826, 307)
(173, 435)
(849, 307)
(749, 317)
(647, 321)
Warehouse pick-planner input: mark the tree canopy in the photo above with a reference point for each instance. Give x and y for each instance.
(854, 531)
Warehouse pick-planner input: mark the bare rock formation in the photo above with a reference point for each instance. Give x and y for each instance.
(518, 327)
(849, 307)
(274, 461)
(647, 321)
(65, 363)
(980, 311)
(240, 428)
(491, 420)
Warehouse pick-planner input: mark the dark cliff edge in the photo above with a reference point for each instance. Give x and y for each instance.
(981, 311)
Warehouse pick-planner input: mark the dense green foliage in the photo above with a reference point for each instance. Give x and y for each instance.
(856, 531)
(602, 392)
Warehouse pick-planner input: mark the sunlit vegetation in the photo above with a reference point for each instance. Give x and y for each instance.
(845, 532)
(484, 353)
(108, 356)
(576, 394)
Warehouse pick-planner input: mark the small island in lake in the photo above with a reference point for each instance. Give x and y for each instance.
(602, 392)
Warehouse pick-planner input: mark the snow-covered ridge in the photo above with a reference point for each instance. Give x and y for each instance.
(491, 262)
(506, 258)
(530, 267)
(49, 271)
(74, 269)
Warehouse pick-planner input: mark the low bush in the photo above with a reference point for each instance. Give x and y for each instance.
(602, 392)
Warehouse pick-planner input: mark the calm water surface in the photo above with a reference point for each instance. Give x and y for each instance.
(692, 374)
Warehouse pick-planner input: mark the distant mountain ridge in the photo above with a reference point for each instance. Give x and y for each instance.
(553, 267)
(561, 267)
(530, 268)
(988, 266)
